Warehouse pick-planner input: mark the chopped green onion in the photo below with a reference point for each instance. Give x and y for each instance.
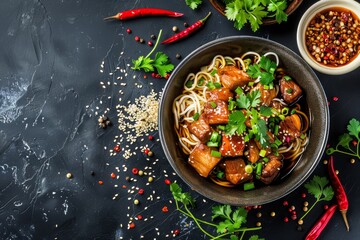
(221, 127)
(231, 105)
(247, 62)
(214, 137)
(238, 90)
(248, 169)
(213, 72)
(246, 138)
(285, 111)
(278, 142)
(215, 153)
(282, 117)
(266, 87)
(293, 111)
(249, 186)
(290, 90)
(189, 83)
(302, 136)
(196, 116)
(210, 85)
(217, 84)
(213, 104)
(276, 129)
(262, 152)
(272, 70)
(287, 78)
(271, 85)
(201, 81)
(220, 175)
(212, 144)
(259, 167)
(250, 84)
(265, 159)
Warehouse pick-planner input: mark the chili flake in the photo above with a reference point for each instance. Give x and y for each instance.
(332, 37)
(139, 217)
(117, 148)
(141, 191)
(176, 232)
(165, 209)
(167, 182)
(112, 175)
(132, 225)
(135, 171)
(100, 182)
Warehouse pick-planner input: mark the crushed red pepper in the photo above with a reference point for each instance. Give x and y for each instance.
(332, 37)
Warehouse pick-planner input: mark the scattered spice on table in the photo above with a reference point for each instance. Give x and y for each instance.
(320, 225)
(188, 31)
(143, 12)
(340, 193)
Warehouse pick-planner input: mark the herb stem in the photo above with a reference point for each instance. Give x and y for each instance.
(352, 153)
(242, 235)
(197, 222)
(157, 42)
(186, 214)
(312, 206)
(243, 230)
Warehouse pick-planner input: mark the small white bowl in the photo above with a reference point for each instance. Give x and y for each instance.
(319, 6)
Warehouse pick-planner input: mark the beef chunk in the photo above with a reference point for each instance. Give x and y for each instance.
(232, 77)
(201, 129)
(200, 158)
(235, 171)
(290, 91)
(232, 146)
(217, 112)
(223, 94)
(271, 169)
(289, 128)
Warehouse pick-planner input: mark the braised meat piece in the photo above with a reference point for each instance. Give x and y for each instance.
(200, 158)
(232, 77)
(290, 91)
(271, 169)
(254, 152)
(267, 95)
(223, 94)
(235, 171)
(232, 146)
(289, 128)
(216, 112)
(201, 129)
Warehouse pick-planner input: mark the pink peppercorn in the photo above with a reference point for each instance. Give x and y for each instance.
(285, 203)
(150, 43)
(137, 38)
(128, 30)
(286, 219)
(135, 171)
(139, 217)
(151, 137)
(146, 151)
(141, 191)
(167, 181)
(112, 175)
(176, 232)
(335, 99)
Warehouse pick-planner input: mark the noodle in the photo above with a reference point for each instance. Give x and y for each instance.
(188, 106)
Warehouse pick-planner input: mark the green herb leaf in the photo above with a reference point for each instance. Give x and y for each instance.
(184, 198)
(344, 140)
(265, 111)
(278, 7)
(143, 63)
(265, 69)
(162, 64)
(354, 128)
(256, 237)
(316, 187)
(193, 4)
(236, 123)
(231, 220)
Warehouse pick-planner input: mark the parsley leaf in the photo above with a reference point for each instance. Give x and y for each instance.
(161, 62)
(193, 4)
(265, 111)
(230, 223)
(319, 188)
(343, 146)
(254, 11)
(265, 69)
(236, 123)
(256, 237)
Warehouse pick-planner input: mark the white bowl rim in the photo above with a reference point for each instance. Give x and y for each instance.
(354, 7)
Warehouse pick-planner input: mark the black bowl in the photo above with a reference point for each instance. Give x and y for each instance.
(314, 96)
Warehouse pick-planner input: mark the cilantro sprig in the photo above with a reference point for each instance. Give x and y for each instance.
(193, 4)
(229, 221)
(254, 11)
(319, 188)
(352, 136)
(265, 69)
(161, 61)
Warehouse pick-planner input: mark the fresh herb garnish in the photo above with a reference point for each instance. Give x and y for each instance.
(253, 12)
(230, 221)
(193, 4)
(252, 99)
(236, 123)
(161, 62)
(344, 140)
(265, 69)
(319, 188)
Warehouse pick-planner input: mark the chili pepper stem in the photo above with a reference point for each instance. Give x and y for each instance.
(116, 16)
(343, 214)
(205, 18)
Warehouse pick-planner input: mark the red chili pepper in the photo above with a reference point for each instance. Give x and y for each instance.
(144, 12)
(340, 193)
(187, 31)
(321, 224)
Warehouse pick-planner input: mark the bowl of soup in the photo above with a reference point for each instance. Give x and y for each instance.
(328, 36)
(243, 120)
